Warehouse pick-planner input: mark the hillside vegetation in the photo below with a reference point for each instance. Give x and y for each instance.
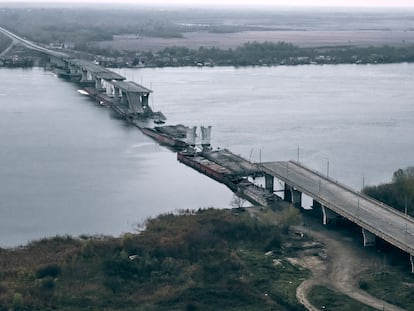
(208, 260)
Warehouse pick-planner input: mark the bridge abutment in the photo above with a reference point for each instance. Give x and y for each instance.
(369, 238)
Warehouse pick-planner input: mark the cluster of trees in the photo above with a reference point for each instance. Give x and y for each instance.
(398, 194)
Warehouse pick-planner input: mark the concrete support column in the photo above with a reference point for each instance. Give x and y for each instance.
(84, 75)
(316, 205)
(124, 99)
(52, 60)
(108, 88)
(116, 93)
(98, 84)
(288, 193)
(328, 215)
(73, 69)
(144, 100)
(316, 209)
(61, 63)
(369, 238)
(412, 263)
(297, 198)
(269, 182)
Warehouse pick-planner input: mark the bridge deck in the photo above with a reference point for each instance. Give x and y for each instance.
(382, 220)
(235, 163)
(132, 87)
(98, 70)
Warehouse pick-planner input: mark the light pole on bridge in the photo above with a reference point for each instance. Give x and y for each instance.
(327, 168)
(297, 157)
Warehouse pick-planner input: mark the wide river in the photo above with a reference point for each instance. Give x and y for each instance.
(68, 167)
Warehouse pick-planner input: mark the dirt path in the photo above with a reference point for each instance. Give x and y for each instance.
(340, 270)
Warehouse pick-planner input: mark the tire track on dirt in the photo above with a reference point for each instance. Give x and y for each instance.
(339, 271)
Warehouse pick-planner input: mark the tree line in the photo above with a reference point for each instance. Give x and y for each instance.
(399, 193)
(270, 54)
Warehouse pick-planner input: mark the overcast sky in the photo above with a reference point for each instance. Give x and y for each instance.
(356, 3)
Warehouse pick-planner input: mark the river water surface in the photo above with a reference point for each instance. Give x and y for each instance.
(68, 167)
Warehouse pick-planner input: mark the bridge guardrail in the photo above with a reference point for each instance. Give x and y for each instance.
(359, 221)
(360, 194)
(350, 216)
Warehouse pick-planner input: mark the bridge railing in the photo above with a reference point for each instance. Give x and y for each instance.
(360, 222)
(358, 193)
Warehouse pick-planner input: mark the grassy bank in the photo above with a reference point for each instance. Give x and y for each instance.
(326, 299)
(209, 260)
(394, 286)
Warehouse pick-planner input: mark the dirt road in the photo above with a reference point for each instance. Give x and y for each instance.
(340, 270)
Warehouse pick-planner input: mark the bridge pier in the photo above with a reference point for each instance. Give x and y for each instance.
(412, 263)
(287, 193)
(108, 87)
(292, 195)
(98, 84)
(369, 238)
(316, 208)
(124, 99)
(144, 100)
(297, 198)
(58, 62)
(327, 215)
(73, 69)
(84, 75)
(269, 183)
(116, 93)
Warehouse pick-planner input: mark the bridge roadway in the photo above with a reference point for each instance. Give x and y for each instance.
(376, 217)
(32, 45)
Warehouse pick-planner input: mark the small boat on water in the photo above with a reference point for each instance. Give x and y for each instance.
(83, 92)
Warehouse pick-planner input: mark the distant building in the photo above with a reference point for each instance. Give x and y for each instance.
(56, 45)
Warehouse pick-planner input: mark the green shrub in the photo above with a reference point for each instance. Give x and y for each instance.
(47, 283)
(17, 303)
(52, 270)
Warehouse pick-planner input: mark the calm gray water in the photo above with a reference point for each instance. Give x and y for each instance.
(67, 167)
